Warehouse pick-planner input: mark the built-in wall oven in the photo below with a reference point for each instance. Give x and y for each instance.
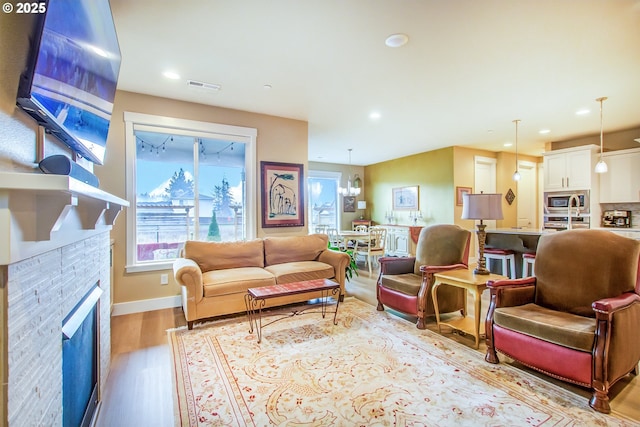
(559, 206)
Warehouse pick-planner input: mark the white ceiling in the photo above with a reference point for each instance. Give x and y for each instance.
(470, 68)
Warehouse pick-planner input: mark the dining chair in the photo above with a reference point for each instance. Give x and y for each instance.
(373, 247)
(321, 229)
(334, 239)
(360, 228)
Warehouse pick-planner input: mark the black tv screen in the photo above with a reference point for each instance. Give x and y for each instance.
(70, 80)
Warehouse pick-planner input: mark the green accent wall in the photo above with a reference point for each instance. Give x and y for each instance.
(431, 171)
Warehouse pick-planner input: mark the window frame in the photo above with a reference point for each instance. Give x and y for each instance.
(323, 174)
(247, 136)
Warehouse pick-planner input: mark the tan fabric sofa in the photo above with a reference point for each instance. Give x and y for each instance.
(215, 276)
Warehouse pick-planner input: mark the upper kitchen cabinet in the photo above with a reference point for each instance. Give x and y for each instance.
(570, 168)
(621, 184)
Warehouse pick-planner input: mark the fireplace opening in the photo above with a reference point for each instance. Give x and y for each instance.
(80, 361)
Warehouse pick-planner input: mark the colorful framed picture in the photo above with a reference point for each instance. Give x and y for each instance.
(459, 192)
(282, 194)
(349, 204)
(405, 198)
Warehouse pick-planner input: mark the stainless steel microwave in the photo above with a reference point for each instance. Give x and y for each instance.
(558, 201)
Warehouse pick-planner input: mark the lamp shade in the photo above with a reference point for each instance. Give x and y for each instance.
(482, 206)
(362, 204)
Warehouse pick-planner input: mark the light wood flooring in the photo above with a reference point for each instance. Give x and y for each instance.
(139, 388)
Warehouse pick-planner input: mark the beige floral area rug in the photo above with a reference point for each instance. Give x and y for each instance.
(372, 369)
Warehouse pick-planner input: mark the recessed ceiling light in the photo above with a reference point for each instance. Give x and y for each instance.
(396, 40)
(266, 87)
(508, 144)
(375, 115)
(582, 112)
(171, 75)
(544, 131)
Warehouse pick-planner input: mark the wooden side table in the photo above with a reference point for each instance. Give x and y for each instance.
(474, 283)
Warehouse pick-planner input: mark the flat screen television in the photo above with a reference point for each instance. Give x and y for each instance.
(72, 70)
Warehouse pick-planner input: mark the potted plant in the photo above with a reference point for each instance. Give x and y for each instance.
(352, 267)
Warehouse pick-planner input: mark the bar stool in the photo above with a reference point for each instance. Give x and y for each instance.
(505, 256)
(528, 260)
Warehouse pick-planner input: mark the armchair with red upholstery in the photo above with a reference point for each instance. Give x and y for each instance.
(578, 319)
(405, 284)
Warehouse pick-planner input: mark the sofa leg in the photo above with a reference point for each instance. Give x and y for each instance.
(421, 324)
(380, 307)
(190, 325)
(600, 401)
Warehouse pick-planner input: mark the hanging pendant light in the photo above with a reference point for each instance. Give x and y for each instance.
(516, 174)
(350, 190)
(601, 166)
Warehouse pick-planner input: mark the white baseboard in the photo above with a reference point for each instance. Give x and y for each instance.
(140, 306)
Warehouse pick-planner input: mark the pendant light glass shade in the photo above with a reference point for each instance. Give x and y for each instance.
(516, 174)
(350, 190)
(601, 166)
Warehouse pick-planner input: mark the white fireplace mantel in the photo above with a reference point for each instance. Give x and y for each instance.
(41, 212)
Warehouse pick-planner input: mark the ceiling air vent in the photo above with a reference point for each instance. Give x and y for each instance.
(202, 85)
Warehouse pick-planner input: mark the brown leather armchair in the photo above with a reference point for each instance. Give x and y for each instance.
(578, 319)
(405, 284)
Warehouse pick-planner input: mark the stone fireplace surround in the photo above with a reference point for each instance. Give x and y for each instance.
(43, 275)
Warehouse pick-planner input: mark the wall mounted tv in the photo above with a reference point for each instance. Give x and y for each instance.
(72, 70)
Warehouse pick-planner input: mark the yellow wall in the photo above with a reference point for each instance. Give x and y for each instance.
(431, 171)
(438, 173)
(279, 139)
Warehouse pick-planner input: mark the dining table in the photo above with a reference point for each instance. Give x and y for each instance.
(353, 236)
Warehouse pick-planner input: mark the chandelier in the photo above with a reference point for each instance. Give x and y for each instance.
(350, 190)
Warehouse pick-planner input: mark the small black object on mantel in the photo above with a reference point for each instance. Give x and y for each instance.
(510, 196)
(62, 165)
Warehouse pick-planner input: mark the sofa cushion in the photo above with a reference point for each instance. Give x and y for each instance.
(407, 283)
(222, 255)
(561, 328)
(235, 280)
(278, 250)
(300, 270)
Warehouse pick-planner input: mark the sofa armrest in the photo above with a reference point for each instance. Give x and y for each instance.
(396, 265)
(339, 261)
(188, 274)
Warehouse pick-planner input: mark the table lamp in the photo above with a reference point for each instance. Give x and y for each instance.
(481, 206)
(362, 205)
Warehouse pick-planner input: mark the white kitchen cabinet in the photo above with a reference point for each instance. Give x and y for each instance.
(621, 183)
(570, 168)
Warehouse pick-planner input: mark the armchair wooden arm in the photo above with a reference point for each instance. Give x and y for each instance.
(613, 353)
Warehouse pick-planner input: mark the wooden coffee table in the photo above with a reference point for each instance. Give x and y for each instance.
(474, 283)
(256, 299)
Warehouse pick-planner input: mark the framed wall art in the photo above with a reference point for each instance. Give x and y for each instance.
(459, 192)
(349, 204)
(405, 198)
(282, 194)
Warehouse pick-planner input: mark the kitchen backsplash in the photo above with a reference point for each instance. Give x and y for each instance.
(633, 207)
